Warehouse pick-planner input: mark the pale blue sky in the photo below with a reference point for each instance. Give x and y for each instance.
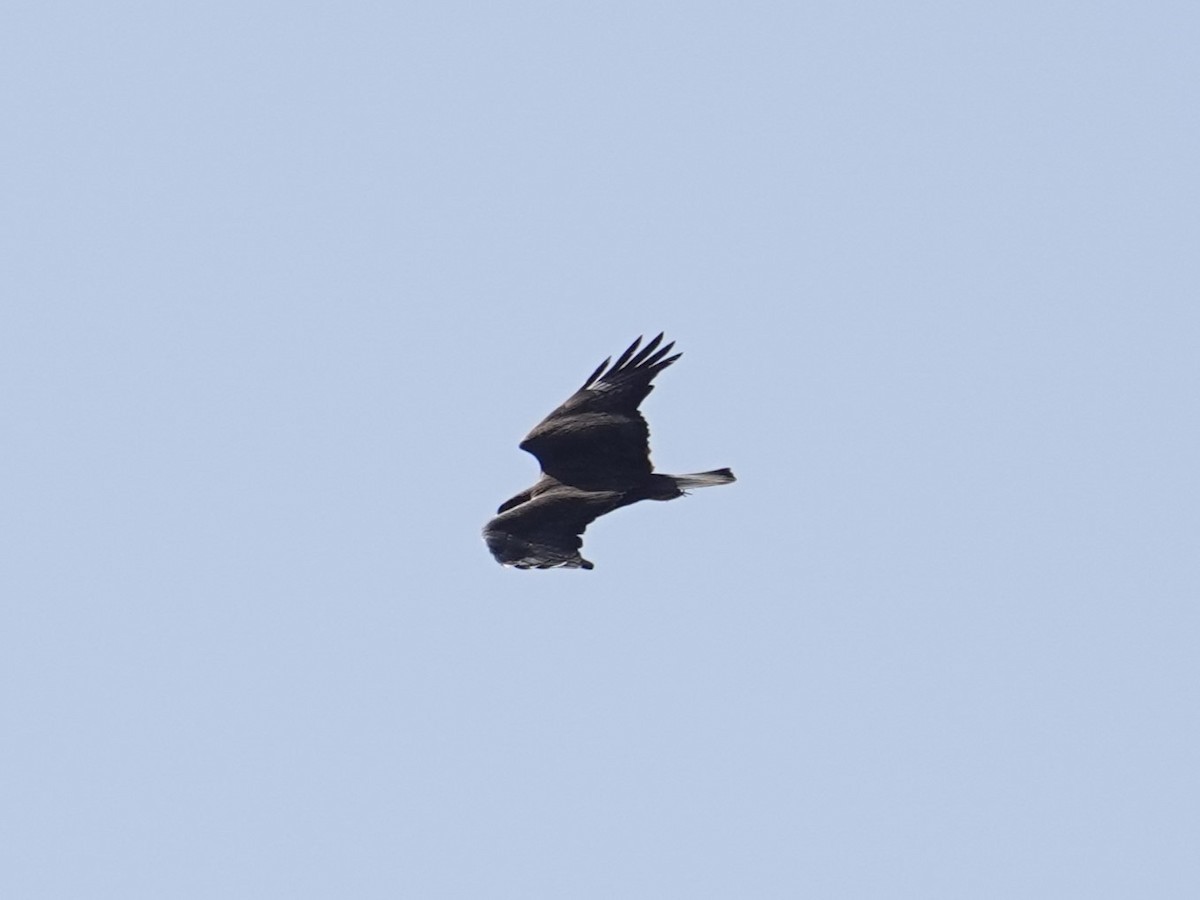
(283, 286)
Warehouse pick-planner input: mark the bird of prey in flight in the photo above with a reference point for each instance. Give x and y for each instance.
(594, 451)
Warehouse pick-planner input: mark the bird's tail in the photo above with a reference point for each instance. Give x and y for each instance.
(703, 479)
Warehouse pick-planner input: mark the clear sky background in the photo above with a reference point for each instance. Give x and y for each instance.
(283, 285)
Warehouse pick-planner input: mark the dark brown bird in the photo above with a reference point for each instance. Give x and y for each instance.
(595, 456)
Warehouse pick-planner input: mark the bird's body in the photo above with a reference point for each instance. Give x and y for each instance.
(594, 451)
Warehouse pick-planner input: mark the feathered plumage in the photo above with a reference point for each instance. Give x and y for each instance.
(594, 451)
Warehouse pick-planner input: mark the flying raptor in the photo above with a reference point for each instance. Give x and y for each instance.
(594, 451)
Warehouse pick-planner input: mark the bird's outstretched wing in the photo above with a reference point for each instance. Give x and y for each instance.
(545, 531)
(597, 438)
